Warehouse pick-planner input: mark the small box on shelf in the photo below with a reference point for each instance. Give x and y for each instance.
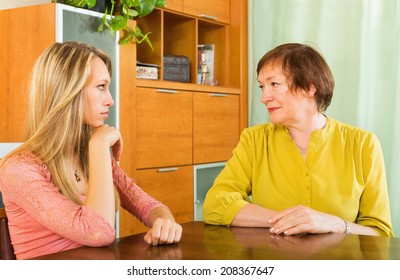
(146, 71)
(176, 68)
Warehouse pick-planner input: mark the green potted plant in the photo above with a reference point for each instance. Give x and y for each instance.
(118, 13)
(98, 6)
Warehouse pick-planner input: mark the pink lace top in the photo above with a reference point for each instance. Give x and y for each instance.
(43, 221)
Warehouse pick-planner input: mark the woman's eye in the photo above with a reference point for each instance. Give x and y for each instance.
(102, 86)
(261, 87)
(273, 84)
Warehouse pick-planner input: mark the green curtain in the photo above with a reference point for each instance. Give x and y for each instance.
(360, 39)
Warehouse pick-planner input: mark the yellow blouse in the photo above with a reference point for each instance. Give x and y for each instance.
(343, 175)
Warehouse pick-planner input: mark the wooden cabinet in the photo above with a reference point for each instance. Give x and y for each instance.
(164, 127)
(25, 33)
(188, 124)
(216, 126)
(173, 186)
(175, 5)
(175, 127)
(217, 10)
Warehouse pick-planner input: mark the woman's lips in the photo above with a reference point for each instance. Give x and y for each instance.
(272, 109)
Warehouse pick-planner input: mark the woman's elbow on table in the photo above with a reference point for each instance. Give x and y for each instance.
(99, 239)
(221, 209)
(214, 213)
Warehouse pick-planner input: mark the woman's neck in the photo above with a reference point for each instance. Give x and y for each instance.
(301, 132)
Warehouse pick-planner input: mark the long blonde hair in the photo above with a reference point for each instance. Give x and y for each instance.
(56, 133)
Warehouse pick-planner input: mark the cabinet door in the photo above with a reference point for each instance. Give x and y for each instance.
(173, 187)
(216, 126)
(204, 176)
(175, 5)
(164, 128)
(217, 10)
(25, 33)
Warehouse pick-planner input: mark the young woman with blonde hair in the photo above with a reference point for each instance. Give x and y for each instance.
(62, 187)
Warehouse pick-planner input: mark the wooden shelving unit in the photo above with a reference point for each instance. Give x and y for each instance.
(179, 125)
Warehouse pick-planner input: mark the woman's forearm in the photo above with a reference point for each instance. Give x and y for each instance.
(253, 215)
(100, 193)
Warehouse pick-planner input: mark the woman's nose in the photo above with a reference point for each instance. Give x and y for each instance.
(265, 96)
(109, 100)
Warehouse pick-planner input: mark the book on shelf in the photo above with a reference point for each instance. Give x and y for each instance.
(205, 56)
(147, 71)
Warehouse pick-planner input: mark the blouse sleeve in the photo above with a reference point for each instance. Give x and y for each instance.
(374, 209)
(133, 198)
(231, 189)
(27, 182)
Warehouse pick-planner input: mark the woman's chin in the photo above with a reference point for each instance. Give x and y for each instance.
(275, 120)
(96, 125)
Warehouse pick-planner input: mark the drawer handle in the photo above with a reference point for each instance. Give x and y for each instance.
(167, 169)
(218, 94)
(208, 17)
(166, 91)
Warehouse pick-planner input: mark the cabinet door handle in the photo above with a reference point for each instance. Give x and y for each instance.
(166, 91)
(208, 17)
(170, 169)
(218, 94)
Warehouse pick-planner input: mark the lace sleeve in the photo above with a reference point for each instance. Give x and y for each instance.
(27, 182)
(133, 198)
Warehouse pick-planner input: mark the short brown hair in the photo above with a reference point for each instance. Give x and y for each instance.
(303, 67)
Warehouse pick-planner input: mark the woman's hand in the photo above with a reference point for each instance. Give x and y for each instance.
(111, 137)
(301, 219)
(163, 231)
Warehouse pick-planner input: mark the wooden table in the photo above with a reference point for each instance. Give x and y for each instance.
(207, 242)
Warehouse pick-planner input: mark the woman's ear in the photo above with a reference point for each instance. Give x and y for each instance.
(311, 92)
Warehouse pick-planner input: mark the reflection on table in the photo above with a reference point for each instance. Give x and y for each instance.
(207, 242)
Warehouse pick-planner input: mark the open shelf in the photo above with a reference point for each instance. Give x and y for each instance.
(151, 23)
(174, 33)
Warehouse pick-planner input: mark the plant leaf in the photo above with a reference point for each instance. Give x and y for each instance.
(118, 22)
(132, 13)
(90, 3)
(145, 7)
(126, 38)
(104, 20)
(147, 40)
(76, 3)
(81, 3)
(139, 34)
(100, 28)
(161, 3)
(128, 3)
